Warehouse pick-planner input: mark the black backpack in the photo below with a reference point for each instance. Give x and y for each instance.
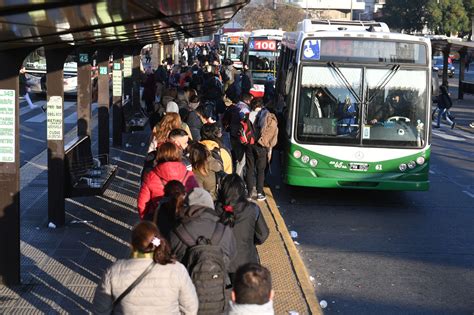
(204, 261)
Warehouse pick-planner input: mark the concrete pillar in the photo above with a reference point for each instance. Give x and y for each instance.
(84, 92)
(10, 167)
(55, 59)
(103, 100)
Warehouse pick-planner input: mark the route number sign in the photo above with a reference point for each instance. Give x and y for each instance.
(263, 45)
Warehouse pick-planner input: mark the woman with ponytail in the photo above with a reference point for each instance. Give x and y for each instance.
(245, 217)
(166, 215)
(165, 286)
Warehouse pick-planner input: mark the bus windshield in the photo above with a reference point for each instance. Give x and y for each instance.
(234, 52)
(362, 106)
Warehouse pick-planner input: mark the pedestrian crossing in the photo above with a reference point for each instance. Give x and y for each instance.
(453, 134)
(40, 117)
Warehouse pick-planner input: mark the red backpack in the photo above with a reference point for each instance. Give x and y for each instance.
(247, 134)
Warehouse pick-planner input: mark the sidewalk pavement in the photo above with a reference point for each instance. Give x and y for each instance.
(463, 110)
(61, 267)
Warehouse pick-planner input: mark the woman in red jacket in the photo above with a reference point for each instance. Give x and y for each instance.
(169, 167)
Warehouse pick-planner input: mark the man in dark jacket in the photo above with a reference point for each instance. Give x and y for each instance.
(199, 219)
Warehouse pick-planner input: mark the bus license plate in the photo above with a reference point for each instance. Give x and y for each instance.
(362, 167)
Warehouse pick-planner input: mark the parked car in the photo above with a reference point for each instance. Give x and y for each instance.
(438, 66)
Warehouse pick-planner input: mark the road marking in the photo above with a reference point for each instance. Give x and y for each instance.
(432, 172)
(445, 136)
(468, 193)
(464, 134)
(72, 119)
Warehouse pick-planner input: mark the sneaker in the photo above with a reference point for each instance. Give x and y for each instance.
(261, 197)
(435, 126)
(471, 125)
(452, 125)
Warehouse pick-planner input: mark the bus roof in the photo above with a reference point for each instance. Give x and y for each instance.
(267, 32)
(295, 39)
(341, 25)
(239, 34)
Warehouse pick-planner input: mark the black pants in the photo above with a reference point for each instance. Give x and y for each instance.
(255, 164)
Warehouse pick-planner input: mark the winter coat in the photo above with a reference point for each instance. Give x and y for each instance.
(254, 309)
(444, 100)
(224, 154)
(267, 126)
(209, 182)
(250, 229)
(201, 221)
(23, 84)
(167, 289)
(152, 189)
(195, 123)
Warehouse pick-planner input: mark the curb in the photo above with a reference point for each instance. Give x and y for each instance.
(300, 270)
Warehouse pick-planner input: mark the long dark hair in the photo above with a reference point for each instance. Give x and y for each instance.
(143, 235)
(199, 156)
(166, 215)
(231, 192)
(211, 132)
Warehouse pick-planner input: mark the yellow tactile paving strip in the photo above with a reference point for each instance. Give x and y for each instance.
(293, 289)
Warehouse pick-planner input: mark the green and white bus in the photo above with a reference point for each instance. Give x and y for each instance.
(356, 100)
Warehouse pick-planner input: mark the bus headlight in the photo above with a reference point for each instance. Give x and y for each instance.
(402, 167)
(411, 165)
(420, 160)
(313, 162)
(297, 154)
(305, 159)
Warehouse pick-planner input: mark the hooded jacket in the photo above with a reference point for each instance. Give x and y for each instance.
(200, 219)
(225, 155)
(250, 229)
(152, 189)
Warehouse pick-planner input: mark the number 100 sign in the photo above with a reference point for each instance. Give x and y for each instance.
(264, 45)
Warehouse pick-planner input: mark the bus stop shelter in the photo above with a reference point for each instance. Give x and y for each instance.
(84, 28)
(448, 45)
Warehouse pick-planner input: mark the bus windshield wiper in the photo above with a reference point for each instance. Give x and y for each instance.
(344, 80)
(381, 85)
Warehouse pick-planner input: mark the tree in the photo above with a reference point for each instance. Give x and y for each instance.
(288, 17)
(258, 17)
(447, 17)
(405, 15)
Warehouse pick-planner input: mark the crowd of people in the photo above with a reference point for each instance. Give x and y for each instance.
(194, 250)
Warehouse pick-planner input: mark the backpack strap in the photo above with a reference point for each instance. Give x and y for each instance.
(184, 236)
(218, 234)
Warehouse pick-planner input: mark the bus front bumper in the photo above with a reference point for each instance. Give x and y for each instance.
(299, 176)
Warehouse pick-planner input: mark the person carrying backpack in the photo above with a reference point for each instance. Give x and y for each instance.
(206, 247)
(211, 137)
(259, 153)
(444, 104)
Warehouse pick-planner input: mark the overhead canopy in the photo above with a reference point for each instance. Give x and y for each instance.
(34, 23)
(453, 45)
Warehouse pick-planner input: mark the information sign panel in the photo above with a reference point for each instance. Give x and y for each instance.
(103, 70)
(117, 83)
(7, 126)
(127, 66)
(54, 115)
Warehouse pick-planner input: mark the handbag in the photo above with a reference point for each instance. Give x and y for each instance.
(133, 285)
